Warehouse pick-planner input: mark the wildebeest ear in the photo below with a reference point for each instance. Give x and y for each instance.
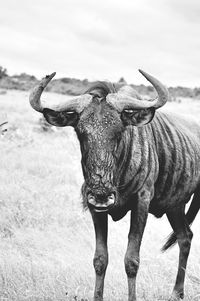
(60, 118)
(137, 117)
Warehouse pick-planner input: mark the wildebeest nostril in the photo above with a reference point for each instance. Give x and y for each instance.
(110, 199)
(92, 200)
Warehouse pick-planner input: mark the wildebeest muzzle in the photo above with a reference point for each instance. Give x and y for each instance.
(101, 203)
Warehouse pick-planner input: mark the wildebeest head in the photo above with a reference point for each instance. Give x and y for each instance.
(100, 117)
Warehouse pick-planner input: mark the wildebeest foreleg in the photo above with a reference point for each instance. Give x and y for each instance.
(100, 261)
(131, 260)
(184, 235)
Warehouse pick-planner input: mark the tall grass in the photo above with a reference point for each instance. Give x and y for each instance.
(47, 241)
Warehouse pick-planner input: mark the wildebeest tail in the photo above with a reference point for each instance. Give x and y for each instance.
(190, 216)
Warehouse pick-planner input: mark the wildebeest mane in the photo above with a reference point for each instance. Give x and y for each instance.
(101, 89)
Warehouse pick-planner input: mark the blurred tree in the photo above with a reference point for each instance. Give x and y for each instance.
(122, 81)
(3, 72)
(197, 92)
(150, 89)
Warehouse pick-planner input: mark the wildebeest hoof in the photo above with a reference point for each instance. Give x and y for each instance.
(176, 296)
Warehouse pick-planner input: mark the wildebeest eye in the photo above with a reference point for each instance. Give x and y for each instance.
(137, 117)
(70, 112)
(129, 112)
(62, 118)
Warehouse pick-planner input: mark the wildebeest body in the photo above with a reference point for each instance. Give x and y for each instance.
(177, 143)
(165, 156)
(133, 158)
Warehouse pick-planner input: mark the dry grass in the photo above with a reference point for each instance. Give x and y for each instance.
(47, 241)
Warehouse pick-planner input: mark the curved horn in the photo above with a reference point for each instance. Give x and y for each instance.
(128, 98)
(163, 93)
(36, 93)
(77, 104)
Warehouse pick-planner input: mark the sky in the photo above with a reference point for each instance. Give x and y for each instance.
(103, 40)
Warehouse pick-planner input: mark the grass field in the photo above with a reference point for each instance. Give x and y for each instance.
(47, 240)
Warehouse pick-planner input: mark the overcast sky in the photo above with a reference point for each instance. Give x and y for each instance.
(102, 40)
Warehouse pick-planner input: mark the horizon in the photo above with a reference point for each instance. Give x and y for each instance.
(82, 79)
(103, 41)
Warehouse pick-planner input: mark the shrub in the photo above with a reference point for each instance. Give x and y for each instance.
(3, 72)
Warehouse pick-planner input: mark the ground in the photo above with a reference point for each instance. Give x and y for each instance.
(47, 240)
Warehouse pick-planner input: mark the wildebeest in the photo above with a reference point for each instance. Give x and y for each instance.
(133, 158)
